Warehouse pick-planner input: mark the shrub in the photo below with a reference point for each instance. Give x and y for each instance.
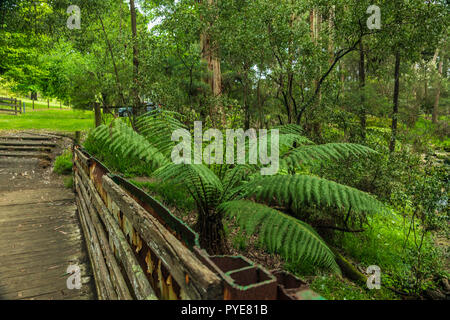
(63, 163)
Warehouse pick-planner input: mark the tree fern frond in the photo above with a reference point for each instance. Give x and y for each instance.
(324, 152)
(157, 127)
(121, 139)
(290, 129)
(200, 181)
(299, 190)
(281, 233)
(233, 177)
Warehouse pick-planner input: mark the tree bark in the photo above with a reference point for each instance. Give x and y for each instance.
(137, 109)
(98, 115)
(212, 234)
(438, 93)
(210, 54)
(396, 98)
(362, 85)
(116, 72)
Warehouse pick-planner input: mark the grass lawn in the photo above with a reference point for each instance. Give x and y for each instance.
(41, 105)
(57, 120)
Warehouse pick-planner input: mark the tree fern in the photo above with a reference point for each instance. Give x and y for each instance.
(157, 127)
(300, 190)
(204, 186)
(121, 139)
(332, 151)
(290, 129)
(281, 233)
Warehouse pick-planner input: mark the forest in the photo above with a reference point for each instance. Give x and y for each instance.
(347, 100)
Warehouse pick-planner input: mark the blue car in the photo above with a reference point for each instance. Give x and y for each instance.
(125, 112)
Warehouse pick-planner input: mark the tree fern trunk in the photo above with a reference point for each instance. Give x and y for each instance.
(212, 234)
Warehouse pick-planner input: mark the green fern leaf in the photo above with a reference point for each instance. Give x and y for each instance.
(293, 239)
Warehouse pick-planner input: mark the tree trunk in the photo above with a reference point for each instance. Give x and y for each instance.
(245, 102)
(210, 54)
(396, 97)
(260, 107)
(137, 109)
(98, 115)
(362, 84)
(331, 33)
(212, 234)
(116, 72)
(438, 93)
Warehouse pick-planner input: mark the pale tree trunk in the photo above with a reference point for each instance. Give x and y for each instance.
(438, 93)
(315, 27)
(210, 54)
(396, 98)
(137, 109)
(362, 85)
(331, 33)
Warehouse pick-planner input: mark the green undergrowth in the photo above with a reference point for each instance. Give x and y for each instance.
(335, 288)
(63, 163)
(129, 168)
(168, 194)
(63, 166)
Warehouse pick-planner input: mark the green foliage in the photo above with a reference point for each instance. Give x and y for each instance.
(385, 244)
(281, 233)
(296, 191)
(158, 126)
(215, 187)
(68, 182)
(57, 120)
(63, 163)
(325, 152)
(125, 143)
(334, 288)
(170, 194)
(201, 183)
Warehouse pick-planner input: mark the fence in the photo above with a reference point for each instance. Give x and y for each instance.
(139, 250)
(10, 105)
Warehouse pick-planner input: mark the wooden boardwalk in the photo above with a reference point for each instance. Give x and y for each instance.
(40, 234)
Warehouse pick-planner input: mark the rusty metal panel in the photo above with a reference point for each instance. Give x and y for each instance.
(243, 280)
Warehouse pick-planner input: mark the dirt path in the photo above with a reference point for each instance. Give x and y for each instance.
(40, 235)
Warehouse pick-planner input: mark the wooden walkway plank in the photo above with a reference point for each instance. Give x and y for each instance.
(40, 234)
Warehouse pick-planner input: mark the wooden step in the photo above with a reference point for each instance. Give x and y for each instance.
(25, 148)
(27, 144)
(37, 155)
(30, 138)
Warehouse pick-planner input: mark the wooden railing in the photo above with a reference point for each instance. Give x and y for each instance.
(11, 105)
(139, 250)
